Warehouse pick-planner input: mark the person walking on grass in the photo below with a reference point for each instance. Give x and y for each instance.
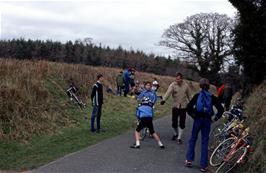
(120, 83)
(181, 94)
(127, 80)
(200, 108)
(144, 113)
(97, 102)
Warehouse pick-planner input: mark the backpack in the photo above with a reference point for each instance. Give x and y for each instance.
(204, 103)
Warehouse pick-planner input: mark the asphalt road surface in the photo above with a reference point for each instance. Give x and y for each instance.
(115, 156)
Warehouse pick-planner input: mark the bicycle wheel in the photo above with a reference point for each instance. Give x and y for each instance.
(220, 152)
(215, 136)
(233, 161)
(143, 133)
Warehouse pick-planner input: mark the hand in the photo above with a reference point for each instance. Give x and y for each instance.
(162, 102)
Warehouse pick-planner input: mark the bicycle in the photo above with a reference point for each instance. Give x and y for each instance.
(223, 131)
(227, 148)
(71, 92)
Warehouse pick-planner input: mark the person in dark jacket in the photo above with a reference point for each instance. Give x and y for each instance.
(97, 102)
(227, 95)
(200, 108)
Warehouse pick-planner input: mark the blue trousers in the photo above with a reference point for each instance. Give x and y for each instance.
(203, 125)
(96, 113)
(126, 88)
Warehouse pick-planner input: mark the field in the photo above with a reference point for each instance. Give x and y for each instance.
(39, 123)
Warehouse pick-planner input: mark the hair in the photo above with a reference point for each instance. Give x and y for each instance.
(179, 74)
(204, 83)
(147, 82)
(99, 76)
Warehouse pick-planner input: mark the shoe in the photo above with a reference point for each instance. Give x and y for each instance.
(179, 141)
(100, 131)
(135, 146)
(162, 147)
(93, 130)
(188, 163)
(203, 170)
(174, 137)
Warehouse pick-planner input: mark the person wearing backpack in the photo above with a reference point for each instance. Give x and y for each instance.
(200, 108)
(120, 83)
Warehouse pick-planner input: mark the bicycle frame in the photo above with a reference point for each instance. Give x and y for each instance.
(241, 142)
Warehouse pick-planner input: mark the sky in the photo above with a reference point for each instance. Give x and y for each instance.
(132, 24)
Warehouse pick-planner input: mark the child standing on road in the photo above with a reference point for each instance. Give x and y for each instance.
(200, 108)
(144, 113)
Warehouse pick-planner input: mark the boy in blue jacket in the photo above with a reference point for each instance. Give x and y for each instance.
(147, 99)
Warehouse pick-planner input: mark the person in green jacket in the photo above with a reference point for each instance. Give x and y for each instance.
(120, 83)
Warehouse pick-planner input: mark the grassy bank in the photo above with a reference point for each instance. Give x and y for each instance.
(255, 109)
(38, 122)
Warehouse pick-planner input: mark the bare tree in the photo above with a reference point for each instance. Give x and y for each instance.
(203, 40)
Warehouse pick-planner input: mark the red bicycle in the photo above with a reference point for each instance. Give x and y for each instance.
(236, 154)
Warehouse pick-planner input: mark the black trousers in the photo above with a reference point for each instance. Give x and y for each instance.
(181, 114)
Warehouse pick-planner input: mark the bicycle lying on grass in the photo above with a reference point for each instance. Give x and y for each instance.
(232, 155)
(233, 140)
(71, 92)
(233, 121)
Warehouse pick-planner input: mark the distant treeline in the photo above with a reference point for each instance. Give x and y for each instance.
(90, 54)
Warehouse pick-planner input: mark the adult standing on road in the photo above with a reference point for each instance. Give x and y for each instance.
(97, 102)
(200, 108)
(181, 94)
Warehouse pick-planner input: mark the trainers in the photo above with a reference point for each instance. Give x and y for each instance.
(162, 147)
(93, 130)
(203, 170)
(135, 146)
(188, 163)
(174, 137)
(179, 141)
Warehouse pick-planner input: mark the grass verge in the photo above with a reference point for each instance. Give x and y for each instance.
(118, 117)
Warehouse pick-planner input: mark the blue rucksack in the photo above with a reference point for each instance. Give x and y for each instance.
(204, 103)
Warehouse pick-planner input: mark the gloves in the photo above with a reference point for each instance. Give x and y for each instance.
(162, 102)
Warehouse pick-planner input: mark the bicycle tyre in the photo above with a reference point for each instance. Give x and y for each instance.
(143, 133)
(220, 152)
(214, 136)
(233, 161)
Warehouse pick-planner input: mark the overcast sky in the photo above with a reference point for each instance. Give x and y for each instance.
(136, 24)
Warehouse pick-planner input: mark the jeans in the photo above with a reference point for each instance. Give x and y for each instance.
(96, 113)
(203, 125)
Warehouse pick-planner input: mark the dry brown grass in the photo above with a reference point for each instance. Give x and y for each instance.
(28, 107)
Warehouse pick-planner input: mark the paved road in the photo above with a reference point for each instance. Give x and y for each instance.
(114, 155)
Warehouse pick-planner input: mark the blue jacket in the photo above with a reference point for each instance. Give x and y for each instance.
(147, 99)
(126, 76)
